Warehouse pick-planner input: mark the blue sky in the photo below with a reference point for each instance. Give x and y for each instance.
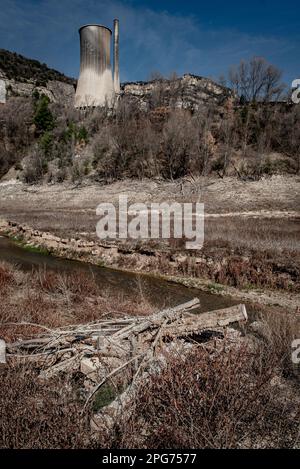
(200, 37)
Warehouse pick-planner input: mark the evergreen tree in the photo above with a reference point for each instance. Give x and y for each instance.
(43, 117)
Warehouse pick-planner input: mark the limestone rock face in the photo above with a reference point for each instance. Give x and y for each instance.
(20, 76)
(187, 92)
(61, 91)
(56, 91)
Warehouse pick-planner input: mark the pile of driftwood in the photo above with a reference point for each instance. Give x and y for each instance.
(103, 350)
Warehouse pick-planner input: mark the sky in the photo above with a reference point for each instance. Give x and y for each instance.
(200, 37)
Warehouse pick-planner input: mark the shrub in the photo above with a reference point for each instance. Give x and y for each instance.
(46, 143)
(38, 415)
(82, 134)
(224, 400)
(36, 168)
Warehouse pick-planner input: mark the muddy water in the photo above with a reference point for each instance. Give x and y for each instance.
(159, 292)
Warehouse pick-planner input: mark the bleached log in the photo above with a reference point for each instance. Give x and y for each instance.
(157, 319)
(29, 344)
(131, 341)
(213, 319)
(65, 365)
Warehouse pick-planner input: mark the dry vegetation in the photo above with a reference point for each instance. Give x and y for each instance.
(204, 402)
(279, 238)
(251, 252)
(236, 140)
(51, 299)
(36, 415)
(241, 396)
(237, 137)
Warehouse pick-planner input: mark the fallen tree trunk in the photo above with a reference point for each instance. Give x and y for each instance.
(28, 344)
(211, 320)
(156, 320)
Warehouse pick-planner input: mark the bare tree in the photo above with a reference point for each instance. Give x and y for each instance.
(155, 75)
(256, 80)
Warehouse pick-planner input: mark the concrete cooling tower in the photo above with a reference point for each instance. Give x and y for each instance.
(95, 84)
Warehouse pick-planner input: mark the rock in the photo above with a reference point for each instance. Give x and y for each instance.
(88, 385)
(181, 259)
(90, 368)
(187, 92)
(96, 423)
(56, 91)
(61, 92)
(277, 381)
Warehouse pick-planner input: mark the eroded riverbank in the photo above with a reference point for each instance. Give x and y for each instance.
(159, 292)
(121, 263)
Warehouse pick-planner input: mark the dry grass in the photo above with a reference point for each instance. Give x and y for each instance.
(246, 253)
(279, 331)
(246, 396)
(54, 299)
(223, 402)
(198, 401)
(263, 253)
(38, 415)
(6, 276)
(277, 237)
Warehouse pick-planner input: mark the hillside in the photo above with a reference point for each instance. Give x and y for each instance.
(163, 128)
(19, 68)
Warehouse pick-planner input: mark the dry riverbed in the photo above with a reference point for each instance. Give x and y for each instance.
(252, 244)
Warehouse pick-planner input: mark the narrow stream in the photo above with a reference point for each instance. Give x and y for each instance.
(158, 292)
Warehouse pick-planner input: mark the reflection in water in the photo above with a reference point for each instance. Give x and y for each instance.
(158, 292)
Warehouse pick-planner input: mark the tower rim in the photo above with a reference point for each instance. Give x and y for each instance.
(94, 24)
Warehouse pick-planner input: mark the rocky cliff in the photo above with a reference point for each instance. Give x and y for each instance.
(20, 76)
(187, 92)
